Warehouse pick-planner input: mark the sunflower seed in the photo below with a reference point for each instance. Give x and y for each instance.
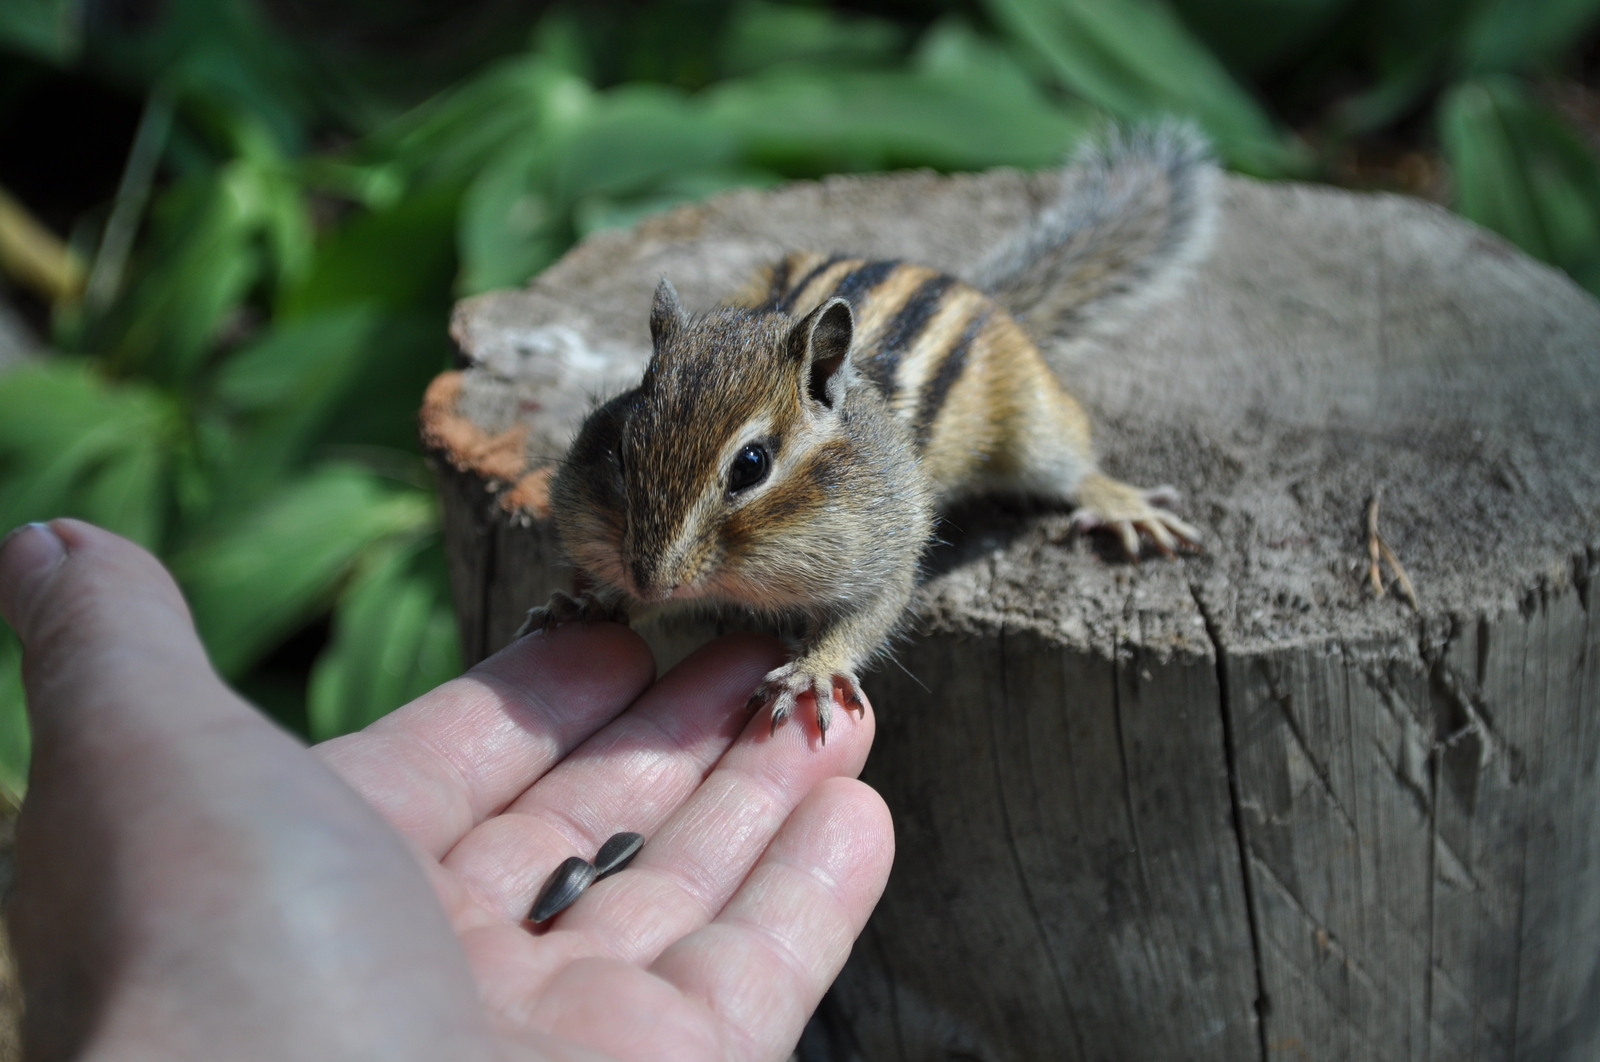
(562, 888)
(617, 853)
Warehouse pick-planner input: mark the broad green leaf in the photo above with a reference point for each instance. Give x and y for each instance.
(1491, 187)
(217, 237)
(451, 137)
(1135, 59)
(225, 55)
(402, 257)
(14, 744)
(75, 444)
(595, 212)
(509, 228)
(635, 136)
(255, 578)
(760, 35)
(296, 364)
(517, 215)
(49, 29)
(394, 638)
(1522, 172)
(806, 121)
(1516, 35)
(284, 386)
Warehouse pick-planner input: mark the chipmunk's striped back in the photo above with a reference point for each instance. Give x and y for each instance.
(952, 364)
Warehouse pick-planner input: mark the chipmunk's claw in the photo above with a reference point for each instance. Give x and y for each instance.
(563, 608)
(1128, 512)
(783, 686)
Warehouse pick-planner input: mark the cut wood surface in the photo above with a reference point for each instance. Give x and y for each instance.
(1229, 807)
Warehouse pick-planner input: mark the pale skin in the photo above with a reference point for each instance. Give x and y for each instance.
(195, 884)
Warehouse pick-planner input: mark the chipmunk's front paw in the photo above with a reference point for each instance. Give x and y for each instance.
(1106, 504)
(783, 686)
(561, 608)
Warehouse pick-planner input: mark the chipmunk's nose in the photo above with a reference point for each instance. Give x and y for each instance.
(649, 583)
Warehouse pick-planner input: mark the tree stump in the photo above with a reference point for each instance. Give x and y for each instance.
(1234, 806)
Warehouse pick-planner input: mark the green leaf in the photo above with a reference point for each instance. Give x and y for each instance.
(48, 29)
(761, 35)
(516, 216)
(203, 261)
(394, 638)
(284, 387)
(14, 743)
(1512, 35)
(75, 444)
(255, 578)
(400, 258)
(593, 213)
(1491, 187)
(222, 56)
(635, 136)
(509, 229)
(1135, 59)
(801, 121)
(1520, 171)
(454, 135)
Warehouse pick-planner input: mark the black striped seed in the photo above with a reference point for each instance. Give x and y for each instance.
(562, 888)
(617, 853)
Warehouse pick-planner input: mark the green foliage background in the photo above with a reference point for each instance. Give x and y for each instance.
(311, 185)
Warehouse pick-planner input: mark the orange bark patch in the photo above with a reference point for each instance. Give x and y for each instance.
(500, 456)
(531, 493)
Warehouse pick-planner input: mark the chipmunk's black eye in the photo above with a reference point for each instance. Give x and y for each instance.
(749, 468)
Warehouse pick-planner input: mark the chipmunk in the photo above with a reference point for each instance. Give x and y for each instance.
(787, 452)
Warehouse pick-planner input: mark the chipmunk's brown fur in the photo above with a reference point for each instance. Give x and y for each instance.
(787, 454)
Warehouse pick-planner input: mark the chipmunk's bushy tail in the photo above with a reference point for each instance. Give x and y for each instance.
(1134, 213)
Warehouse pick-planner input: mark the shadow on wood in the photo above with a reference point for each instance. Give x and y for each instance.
(1230, 807)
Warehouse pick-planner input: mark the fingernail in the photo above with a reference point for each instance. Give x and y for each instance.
(25, 553)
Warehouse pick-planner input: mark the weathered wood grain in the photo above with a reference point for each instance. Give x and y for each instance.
(1228, 808)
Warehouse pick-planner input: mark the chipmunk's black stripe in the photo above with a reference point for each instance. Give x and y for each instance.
(780, 284)
(937, 389)
(858, 282)
(902, 331)
(787, 302)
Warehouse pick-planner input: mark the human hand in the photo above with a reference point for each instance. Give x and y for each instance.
(193, 883)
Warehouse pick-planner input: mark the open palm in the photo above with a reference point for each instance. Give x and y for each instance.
(193, 883)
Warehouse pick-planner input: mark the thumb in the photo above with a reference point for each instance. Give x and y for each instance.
(98, 617)
(180, 856)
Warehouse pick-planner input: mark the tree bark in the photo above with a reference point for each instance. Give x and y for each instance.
(1228, 807)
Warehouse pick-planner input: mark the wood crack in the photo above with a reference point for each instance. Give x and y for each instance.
(1230, 755)
(1056, 974)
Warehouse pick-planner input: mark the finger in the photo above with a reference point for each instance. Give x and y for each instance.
(765, 962)
(172, 837)
(742, 986)
(694, 862)
(453, 757)
(82, 599)
(631, 775)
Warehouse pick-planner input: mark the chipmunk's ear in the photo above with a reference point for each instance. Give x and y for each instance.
(666, 313)
(821, 342)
